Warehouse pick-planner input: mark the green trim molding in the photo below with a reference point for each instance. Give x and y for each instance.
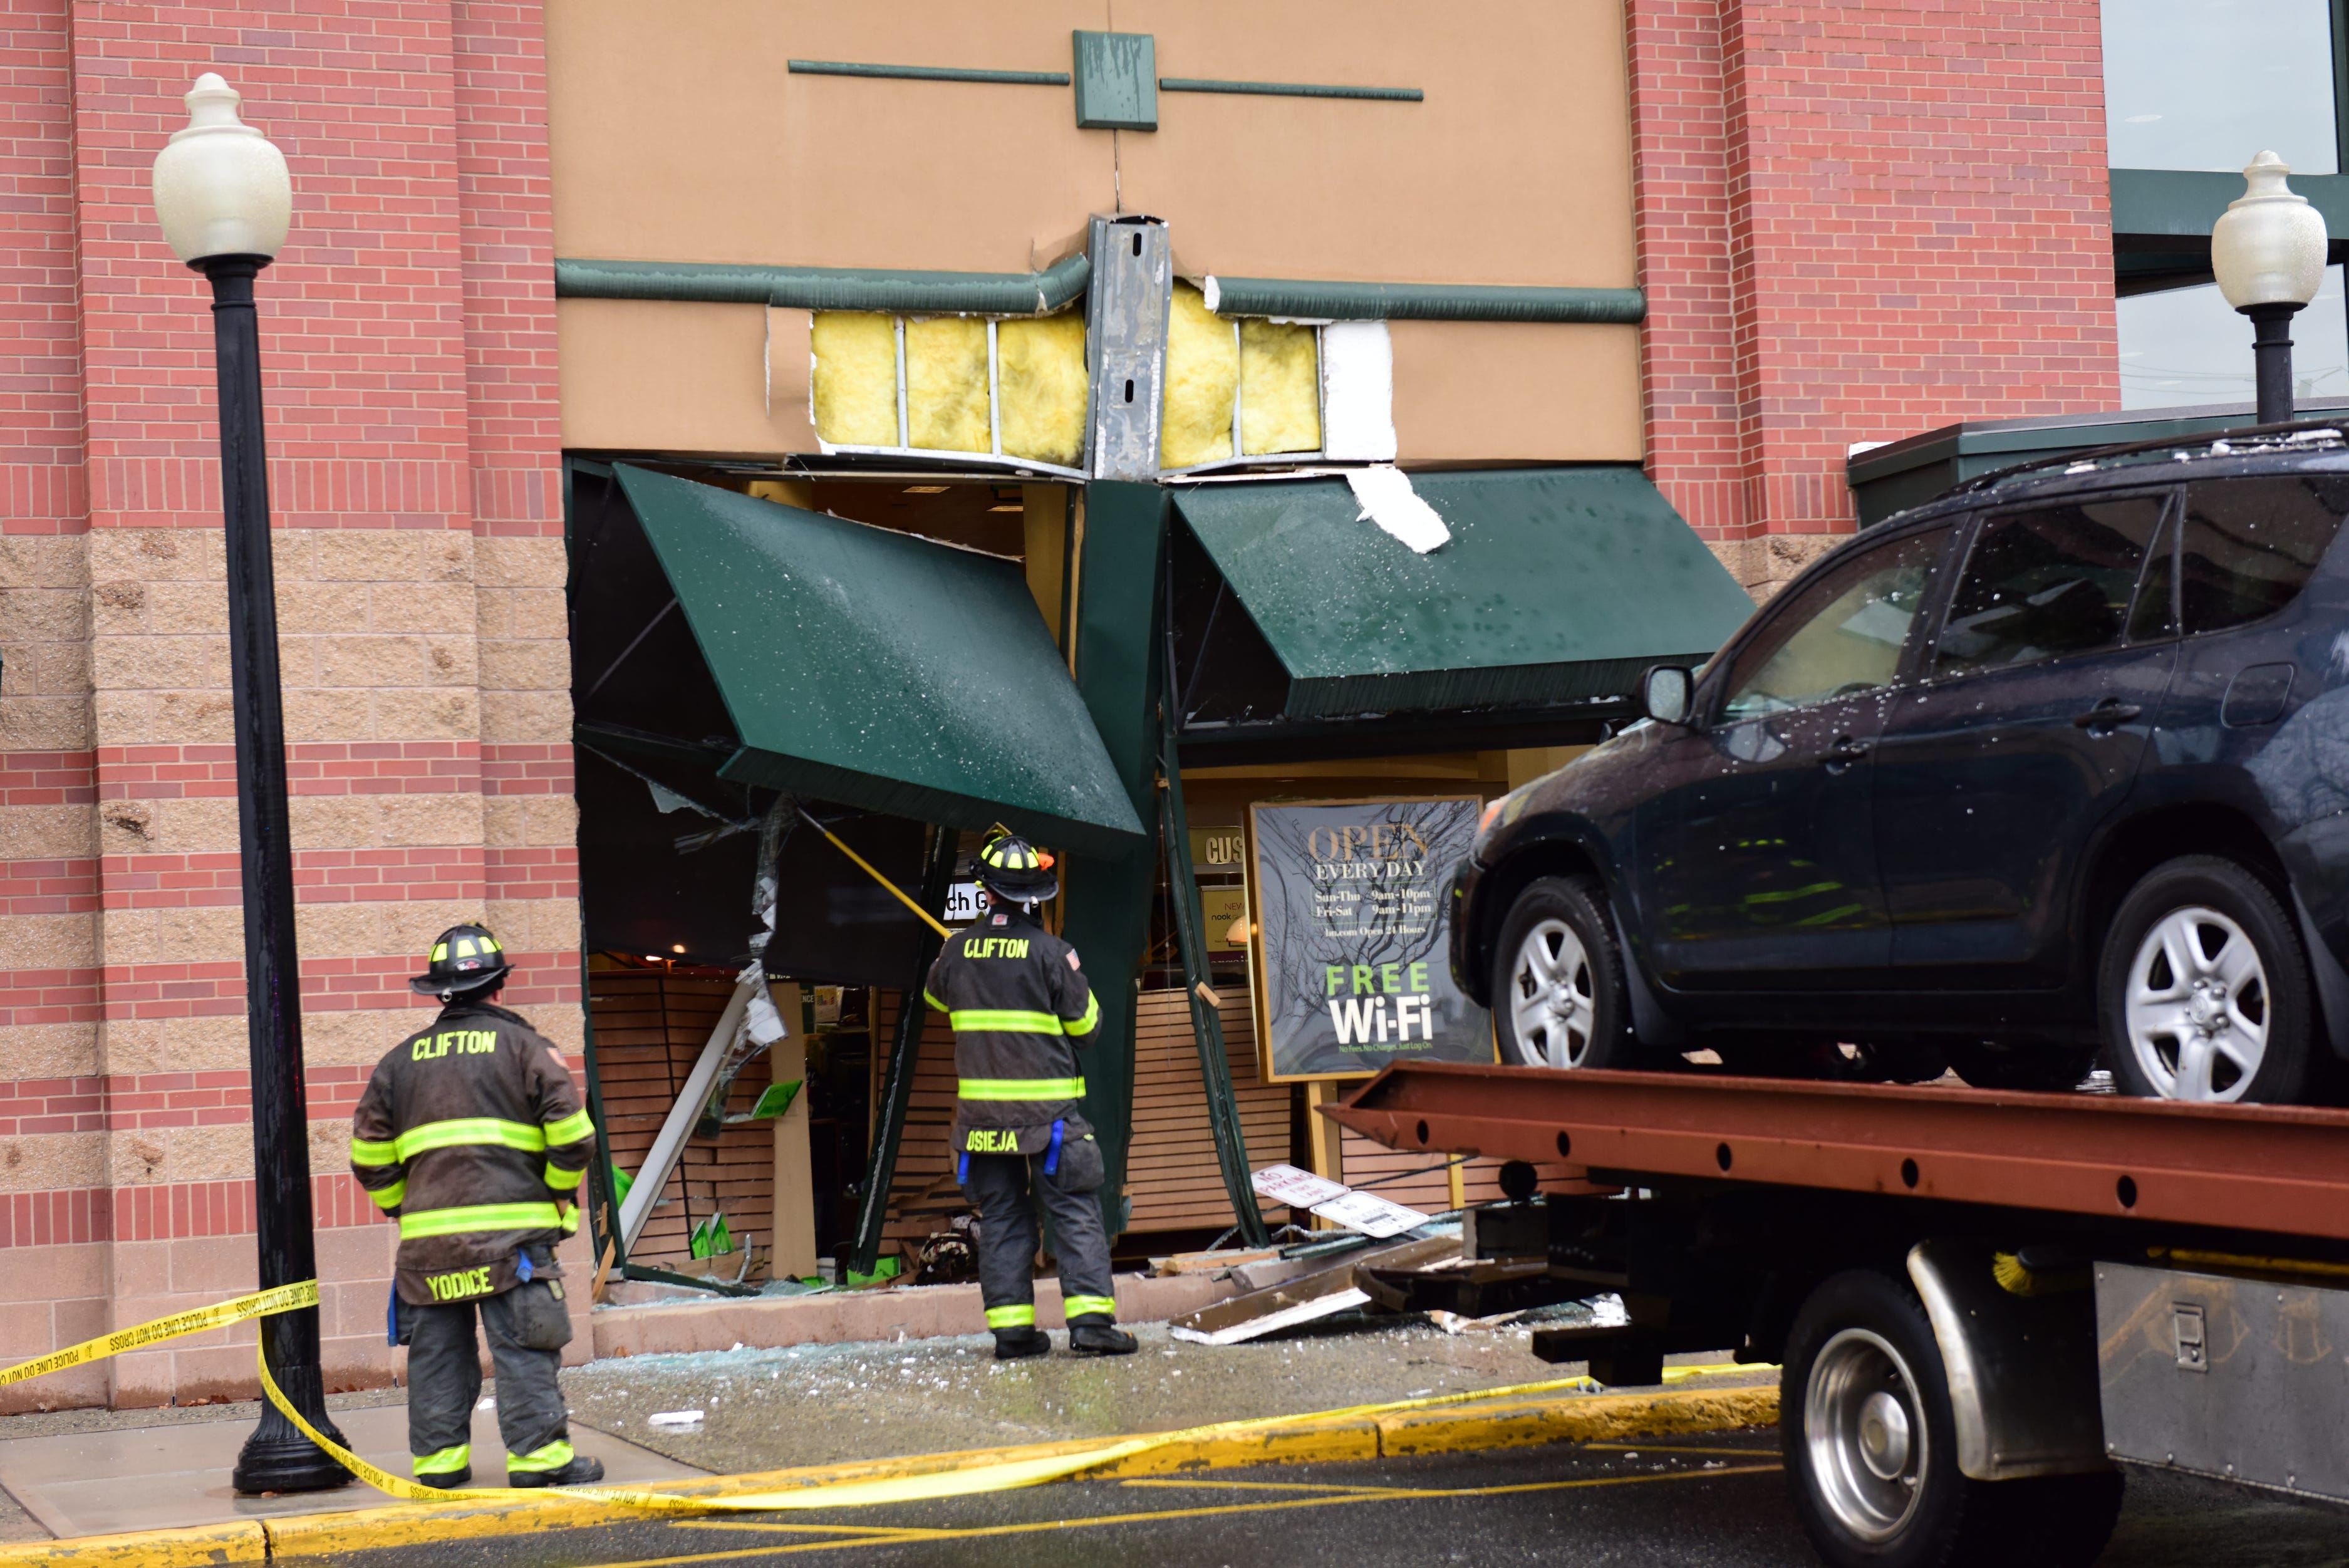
(1331, 301)
(828, 288)
(1064, 282)
(1288, 89)
(927, 73)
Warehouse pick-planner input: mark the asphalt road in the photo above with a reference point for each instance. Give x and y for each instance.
(1717, 1502)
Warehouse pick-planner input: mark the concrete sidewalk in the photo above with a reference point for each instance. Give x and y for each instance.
(824, 1404)
(764, 1409)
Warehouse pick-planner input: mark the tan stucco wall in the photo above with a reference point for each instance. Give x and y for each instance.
(1489, 391)
(641, 376)
(1516, 168)
(679, 134)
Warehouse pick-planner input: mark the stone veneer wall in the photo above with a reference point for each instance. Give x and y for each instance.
(408, 338)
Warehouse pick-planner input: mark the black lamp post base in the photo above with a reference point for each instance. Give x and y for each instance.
(278, 1457)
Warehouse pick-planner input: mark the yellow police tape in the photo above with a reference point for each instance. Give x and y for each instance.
(960, 1483)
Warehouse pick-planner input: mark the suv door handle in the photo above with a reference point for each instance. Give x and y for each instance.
(2106, 716)
(1844, 752)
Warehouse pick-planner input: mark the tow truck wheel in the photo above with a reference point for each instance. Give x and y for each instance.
(1871, 1445)
(1558, 980)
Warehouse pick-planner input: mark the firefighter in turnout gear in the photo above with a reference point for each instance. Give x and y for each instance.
(471, 1133)
(1021, 1007)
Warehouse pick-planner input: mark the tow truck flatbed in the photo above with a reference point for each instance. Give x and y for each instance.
(2100, 1154)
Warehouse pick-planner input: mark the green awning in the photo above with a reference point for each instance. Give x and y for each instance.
(881, 670)
(1558, 584)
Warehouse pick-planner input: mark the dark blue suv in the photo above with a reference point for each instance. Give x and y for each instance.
(2053, 767)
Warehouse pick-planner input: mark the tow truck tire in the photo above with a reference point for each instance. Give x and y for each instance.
(1558, 997)
(1871, 1445)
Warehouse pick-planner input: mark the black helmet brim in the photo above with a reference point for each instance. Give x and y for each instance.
(435, 985)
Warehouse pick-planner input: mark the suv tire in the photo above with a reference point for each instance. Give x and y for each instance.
(1558, 999)
(2203, 990)
(1870, 1443)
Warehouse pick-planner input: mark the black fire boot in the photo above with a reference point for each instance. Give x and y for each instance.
(448, 1480)
(1011, 1343)
(580, 1471)
(1097, 1338)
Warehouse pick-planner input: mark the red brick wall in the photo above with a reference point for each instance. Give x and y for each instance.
(1856, 222)
(407, 346)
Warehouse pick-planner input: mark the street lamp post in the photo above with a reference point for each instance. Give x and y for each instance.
(2268, 250)
(225, 201)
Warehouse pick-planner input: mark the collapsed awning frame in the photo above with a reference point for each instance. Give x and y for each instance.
(880, 669)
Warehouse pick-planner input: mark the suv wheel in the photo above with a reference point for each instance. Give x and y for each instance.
(2204, 989)
(1558, 980)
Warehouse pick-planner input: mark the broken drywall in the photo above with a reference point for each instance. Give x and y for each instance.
(1358, 386)
(1386, 498)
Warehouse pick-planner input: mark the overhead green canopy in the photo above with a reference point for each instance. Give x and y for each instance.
(881, 670)
(1557, 585)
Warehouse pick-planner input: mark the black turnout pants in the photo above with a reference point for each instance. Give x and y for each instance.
(444, 1378)
(999, 1184)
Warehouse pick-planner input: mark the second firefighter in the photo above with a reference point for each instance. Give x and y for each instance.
(1021, 1006)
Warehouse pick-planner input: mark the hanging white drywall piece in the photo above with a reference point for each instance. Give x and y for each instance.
(1387, 499)
(1358, 392)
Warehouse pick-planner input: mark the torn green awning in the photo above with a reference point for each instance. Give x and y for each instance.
(1558, 584)
(881, 670)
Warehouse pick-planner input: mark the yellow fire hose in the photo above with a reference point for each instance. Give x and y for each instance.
(961, 1482)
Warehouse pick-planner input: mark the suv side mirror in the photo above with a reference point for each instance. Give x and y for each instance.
(1664, 693)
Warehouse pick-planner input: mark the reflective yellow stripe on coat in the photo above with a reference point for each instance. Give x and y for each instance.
(480, 1217)
(1020, 1088)
(470, 1131)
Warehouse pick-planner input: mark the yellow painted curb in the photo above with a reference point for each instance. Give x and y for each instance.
(1576, 1417)
(242, 1541)
(1307, 1439)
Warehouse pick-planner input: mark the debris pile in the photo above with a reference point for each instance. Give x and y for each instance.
(1471, 1272)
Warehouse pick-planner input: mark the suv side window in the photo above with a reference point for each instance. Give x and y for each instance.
(2248, 547)
(2047, 581)
(1840, 634)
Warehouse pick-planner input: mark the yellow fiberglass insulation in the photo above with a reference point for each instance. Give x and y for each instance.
(855, 378)
(1202, 374)
(945, 384)
(1040, 375)
(1280, 389)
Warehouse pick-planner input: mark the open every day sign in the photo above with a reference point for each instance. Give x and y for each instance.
(1353, 930)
